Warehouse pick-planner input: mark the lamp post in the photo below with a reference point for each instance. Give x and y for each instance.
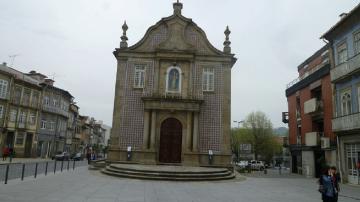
(238, 122)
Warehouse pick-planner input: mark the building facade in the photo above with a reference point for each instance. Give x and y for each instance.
(344, 39)
(20, 112)
(312, 143)
(52, 127)
(172, 98)
(72, 139)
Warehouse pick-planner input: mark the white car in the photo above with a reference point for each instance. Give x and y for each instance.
(242, 164)
(257, 165)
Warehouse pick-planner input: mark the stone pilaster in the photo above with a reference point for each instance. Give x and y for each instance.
(195, 132)
(146, 129)
(189, 131)
(153, 130)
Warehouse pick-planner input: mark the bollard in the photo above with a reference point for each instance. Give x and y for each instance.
(36, 167)
(22, 172)
(7, 173)
(265, 171)
(74, 165)
(46, 167)
(68, 164)
(55, 167)
(62, 163)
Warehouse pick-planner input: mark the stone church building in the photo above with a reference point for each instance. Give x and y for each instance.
(172, 97)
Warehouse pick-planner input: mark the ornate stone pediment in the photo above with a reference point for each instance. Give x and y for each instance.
(175, 34)
(176, 40)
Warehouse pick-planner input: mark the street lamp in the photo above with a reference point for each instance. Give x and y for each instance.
(238, 122)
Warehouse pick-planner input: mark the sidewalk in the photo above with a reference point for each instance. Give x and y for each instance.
(350, 191)
(23, 160)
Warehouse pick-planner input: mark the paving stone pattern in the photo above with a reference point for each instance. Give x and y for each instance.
(91, 186)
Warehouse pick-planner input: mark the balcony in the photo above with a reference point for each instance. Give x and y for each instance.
(346, 123)
(344, 69)
(314, 107)
(312, 138)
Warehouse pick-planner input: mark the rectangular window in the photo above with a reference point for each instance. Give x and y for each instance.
(55, 102)
(20, 138)
(1, 111)
(43, 124)
(208, 79)
(52, 125)
(139, 76)
(46, 100)
(22, 117)
(3, 88)
(13, 114)
(17, 94)
(35, 99)
(26, 97)
(357, 42)
(342, 53)
(32, 118)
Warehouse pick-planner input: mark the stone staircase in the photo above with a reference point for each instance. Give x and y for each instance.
(169, 173)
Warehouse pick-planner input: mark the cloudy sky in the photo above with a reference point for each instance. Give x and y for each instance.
(72, 41)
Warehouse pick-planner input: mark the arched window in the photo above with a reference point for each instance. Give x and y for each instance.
(173, 80)
(346, 103)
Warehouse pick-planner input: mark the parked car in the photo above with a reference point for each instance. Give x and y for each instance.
(62, 156)
(257, 165)
(242, 164)
(77, 157)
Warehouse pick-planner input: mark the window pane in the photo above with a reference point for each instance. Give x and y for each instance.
(357, 42)
(205, 81)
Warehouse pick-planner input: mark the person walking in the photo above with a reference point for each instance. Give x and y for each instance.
(326, 186)
(88, 155)
(5, 153)
(11, 154)
(336, 179)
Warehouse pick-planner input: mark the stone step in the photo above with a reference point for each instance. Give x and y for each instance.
(140, 169)
(168, 178)
(169, 174)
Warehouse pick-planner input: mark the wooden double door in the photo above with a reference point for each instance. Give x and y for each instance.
(170, 141)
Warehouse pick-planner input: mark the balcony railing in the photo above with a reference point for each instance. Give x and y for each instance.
(344, 69)
(348, 122)
(312, 106)
(306, 74)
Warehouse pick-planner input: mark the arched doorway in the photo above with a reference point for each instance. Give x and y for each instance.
(170, 141)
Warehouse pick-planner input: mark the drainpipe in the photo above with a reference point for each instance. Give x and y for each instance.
(338, 159)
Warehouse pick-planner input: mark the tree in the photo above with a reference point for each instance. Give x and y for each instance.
(240, 136)
(263, 141)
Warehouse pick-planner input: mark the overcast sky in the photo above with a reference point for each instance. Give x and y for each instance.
(72, 41)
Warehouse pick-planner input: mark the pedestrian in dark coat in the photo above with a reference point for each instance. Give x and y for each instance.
(88, 156)
(336, 179)
(327, 187)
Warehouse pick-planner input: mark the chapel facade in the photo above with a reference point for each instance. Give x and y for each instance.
(172, 97)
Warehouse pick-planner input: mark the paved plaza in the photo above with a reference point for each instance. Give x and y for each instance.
(84, 185)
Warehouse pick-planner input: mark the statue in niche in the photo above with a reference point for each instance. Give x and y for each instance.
(174, 80)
